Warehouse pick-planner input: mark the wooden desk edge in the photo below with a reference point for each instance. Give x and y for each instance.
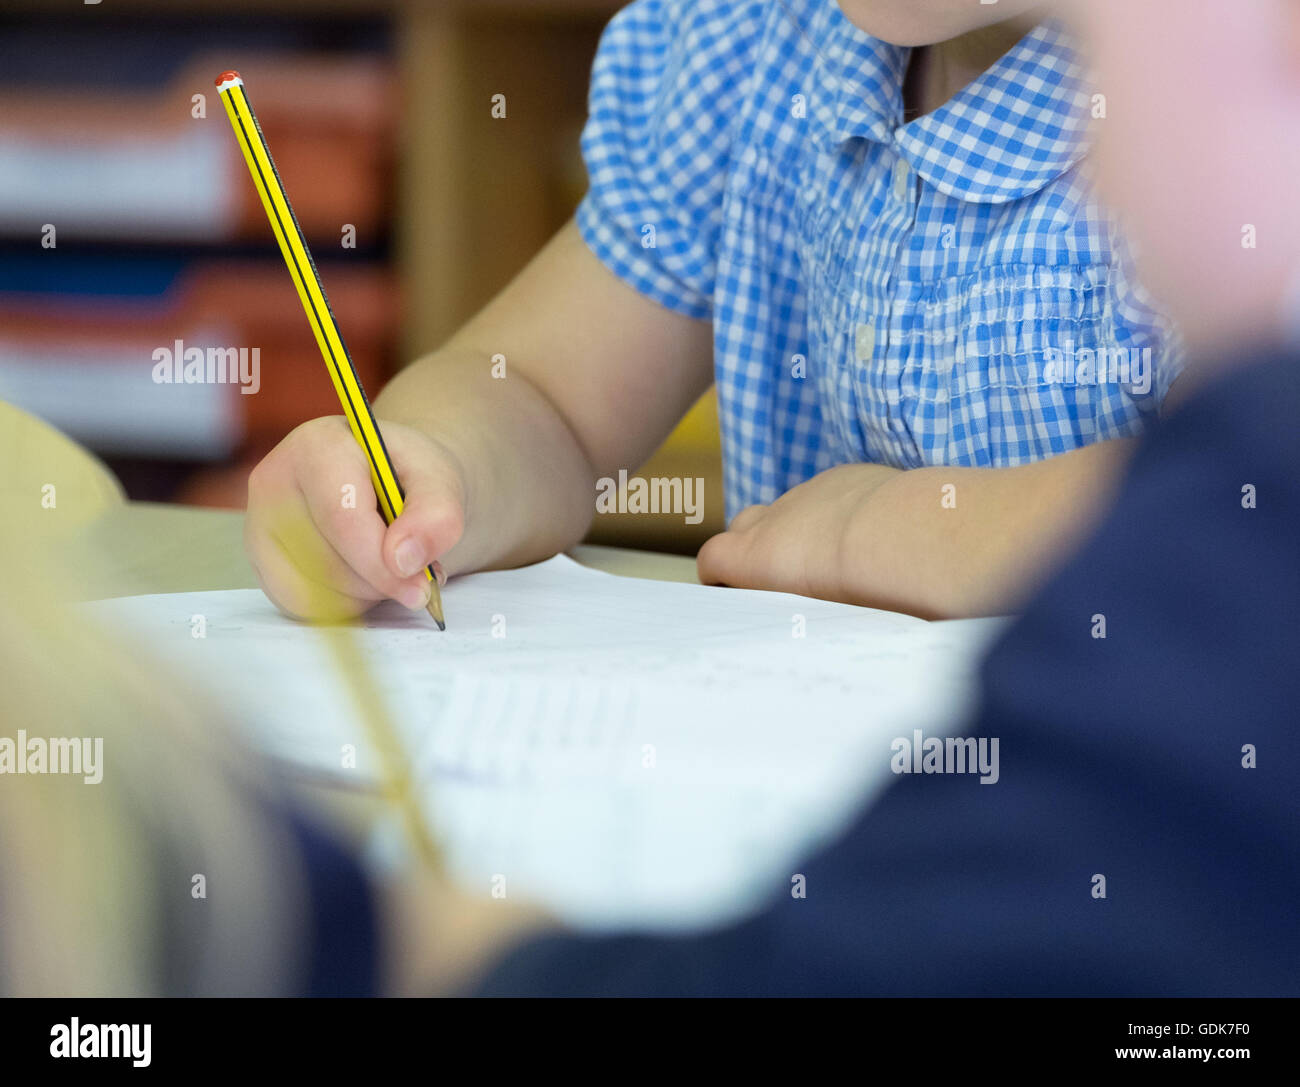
(153, 548)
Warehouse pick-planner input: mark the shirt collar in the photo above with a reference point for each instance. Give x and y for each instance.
(859, 89)
(1019, 126)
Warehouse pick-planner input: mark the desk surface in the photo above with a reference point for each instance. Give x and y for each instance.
(147, 548)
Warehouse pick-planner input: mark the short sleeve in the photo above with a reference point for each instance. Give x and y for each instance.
(665, 88)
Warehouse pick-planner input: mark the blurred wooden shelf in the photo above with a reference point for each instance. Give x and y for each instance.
(478, 196)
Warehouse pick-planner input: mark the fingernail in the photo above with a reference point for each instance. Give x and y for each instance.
(416, 597)
(441, 573)
(409, 558)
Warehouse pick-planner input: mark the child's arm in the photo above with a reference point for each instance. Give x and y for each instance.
(935, 542)
(497, 471)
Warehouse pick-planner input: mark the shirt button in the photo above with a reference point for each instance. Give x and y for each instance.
(902, 176)
(866, 342)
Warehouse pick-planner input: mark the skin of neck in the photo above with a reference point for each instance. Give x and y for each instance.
(948, 67)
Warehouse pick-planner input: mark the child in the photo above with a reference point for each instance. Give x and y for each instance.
(1131, 757)
(870, 227)
(1135, 754)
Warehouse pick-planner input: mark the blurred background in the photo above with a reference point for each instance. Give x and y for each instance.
(128, 221)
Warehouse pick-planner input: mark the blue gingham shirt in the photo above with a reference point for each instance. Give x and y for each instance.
(907, 294)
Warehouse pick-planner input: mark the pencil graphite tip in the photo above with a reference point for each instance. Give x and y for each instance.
(435, 610)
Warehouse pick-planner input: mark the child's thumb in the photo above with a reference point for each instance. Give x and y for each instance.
(431, 522)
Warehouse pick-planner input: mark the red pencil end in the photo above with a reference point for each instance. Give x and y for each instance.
(226, 77)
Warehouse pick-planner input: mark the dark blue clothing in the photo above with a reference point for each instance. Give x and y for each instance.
(1120, 757)
(344, 946)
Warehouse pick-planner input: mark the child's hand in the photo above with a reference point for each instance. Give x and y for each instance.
(935, 542)
(799, 543)
(314, 533)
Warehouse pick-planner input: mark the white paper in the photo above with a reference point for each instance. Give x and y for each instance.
(626, 752)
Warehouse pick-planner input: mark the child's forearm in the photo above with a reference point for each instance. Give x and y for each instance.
(529, 487)
(940, 543)
(952, 542)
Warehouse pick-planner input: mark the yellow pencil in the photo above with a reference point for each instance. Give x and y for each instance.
(305, 277)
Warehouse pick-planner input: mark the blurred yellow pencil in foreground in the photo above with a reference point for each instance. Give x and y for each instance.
(305, 277)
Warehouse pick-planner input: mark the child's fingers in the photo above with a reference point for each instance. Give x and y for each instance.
(306, 578)
(276, 510)
(296, 561)
(433, 518)
(717, 562)
(300, 576)
(314, 532)
(723, 558)
(344, 512)
(746, 518)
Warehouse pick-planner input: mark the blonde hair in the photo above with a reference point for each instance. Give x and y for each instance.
(100, 883)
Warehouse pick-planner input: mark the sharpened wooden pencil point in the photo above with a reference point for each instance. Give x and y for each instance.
(435, 609)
